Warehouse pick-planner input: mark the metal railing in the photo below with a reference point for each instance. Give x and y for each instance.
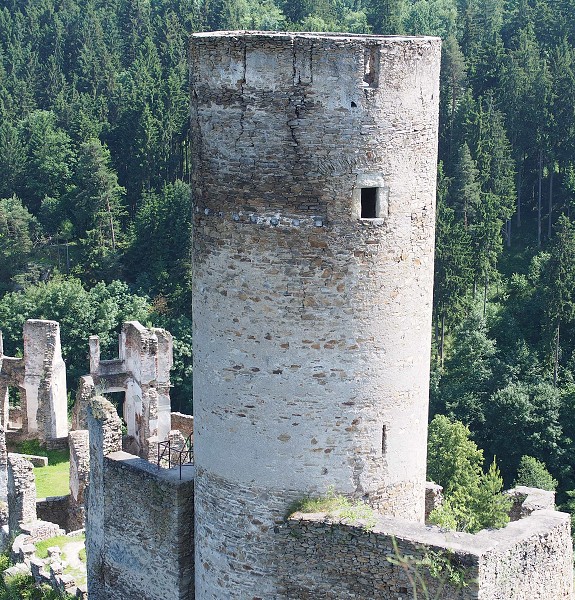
(176, 456)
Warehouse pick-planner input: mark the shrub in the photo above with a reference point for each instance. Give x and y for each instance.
(534, 473)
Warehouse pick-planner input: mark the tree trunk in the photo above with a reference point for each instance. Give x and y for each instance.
(485, 286)
(442, 344)
(550, 222)
(556, 365)
(539, 200)
(436, 336)
(113, 234)
(519, 180)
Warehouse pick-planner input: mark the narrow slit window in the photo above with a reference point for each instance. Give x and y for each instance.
(369, 203)
(383, 440)
(371, 66)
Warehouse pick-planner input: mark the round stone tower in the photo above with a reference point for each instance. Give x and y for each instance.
(314, 166)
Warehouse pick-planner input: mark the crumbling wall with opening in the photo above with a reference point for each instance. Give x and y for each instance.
(142, 373)
(39, 409)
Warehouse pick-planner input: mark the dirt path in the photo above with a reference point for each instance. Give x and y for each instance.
(71, 552)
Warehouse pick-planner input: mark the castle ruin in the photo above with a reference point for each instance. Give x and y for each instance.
(39, 379)
(142, 373)
(314, 190)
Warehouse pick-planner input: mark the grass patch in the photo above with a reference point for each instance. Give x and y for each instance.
(77, 571)
(54, 479)
(336, 506)
(59, 540)
(80, 577)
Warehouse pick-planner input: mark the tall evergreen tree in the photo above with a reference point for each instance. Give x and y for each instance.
(98, 213)
(560, 288)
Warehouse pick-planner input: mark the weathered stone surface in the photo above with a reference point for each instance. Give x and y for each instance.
(142, 371)
(40, 530)
(37, 461)
(3, 466)
(139, 529)
(86, 390)
(41, 377)
(55, 509)
(305, 374)
(79, 477)
(183, 423)
(148, 529)
(433, 497)
(529, 499)
(105, 434)
(21, 492)
(527, 560)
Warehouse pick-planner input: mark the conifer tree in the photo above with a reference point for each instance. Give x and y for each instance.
(98, 211)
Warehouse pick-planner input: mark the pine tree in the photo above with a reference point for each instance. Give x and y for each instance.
(453, 266)
(98, 212)
(560, 288)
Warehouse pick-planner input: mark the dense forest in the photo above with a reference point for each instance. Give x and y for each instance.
(94, 194)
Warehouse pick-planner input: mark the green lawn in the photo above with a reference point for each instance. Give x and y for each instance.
(59, 540)
(53, 480)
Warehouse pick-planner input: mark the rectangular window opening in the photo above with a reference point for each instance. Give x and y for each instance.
(118, 399)
(15, 418)
(369, 203)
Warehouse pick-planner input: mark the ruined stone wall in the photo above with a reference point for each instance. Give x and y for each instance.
(45, 380)
(3, 467)
(142, 371)
(105, 429)
(305, 374)
(147, 356)
(139, 520)
(55, 509)
(41, 378)
(79, 477)
(148, 530)
(533, 560)
(527, 560)
(21, 492)
(183, 423)
(86, 391)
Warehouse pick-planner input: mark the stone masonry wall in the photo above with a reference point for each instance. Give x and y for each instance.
(142, 371)
(55, 509)
(3, 466)
(21, 492)
(148, 530)
(79, 443)
(105, 429)
(529, 559)
(139, 520)
(183, 423)
(41, 377)
(85, 391)
(305, 375)
(45, 380)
